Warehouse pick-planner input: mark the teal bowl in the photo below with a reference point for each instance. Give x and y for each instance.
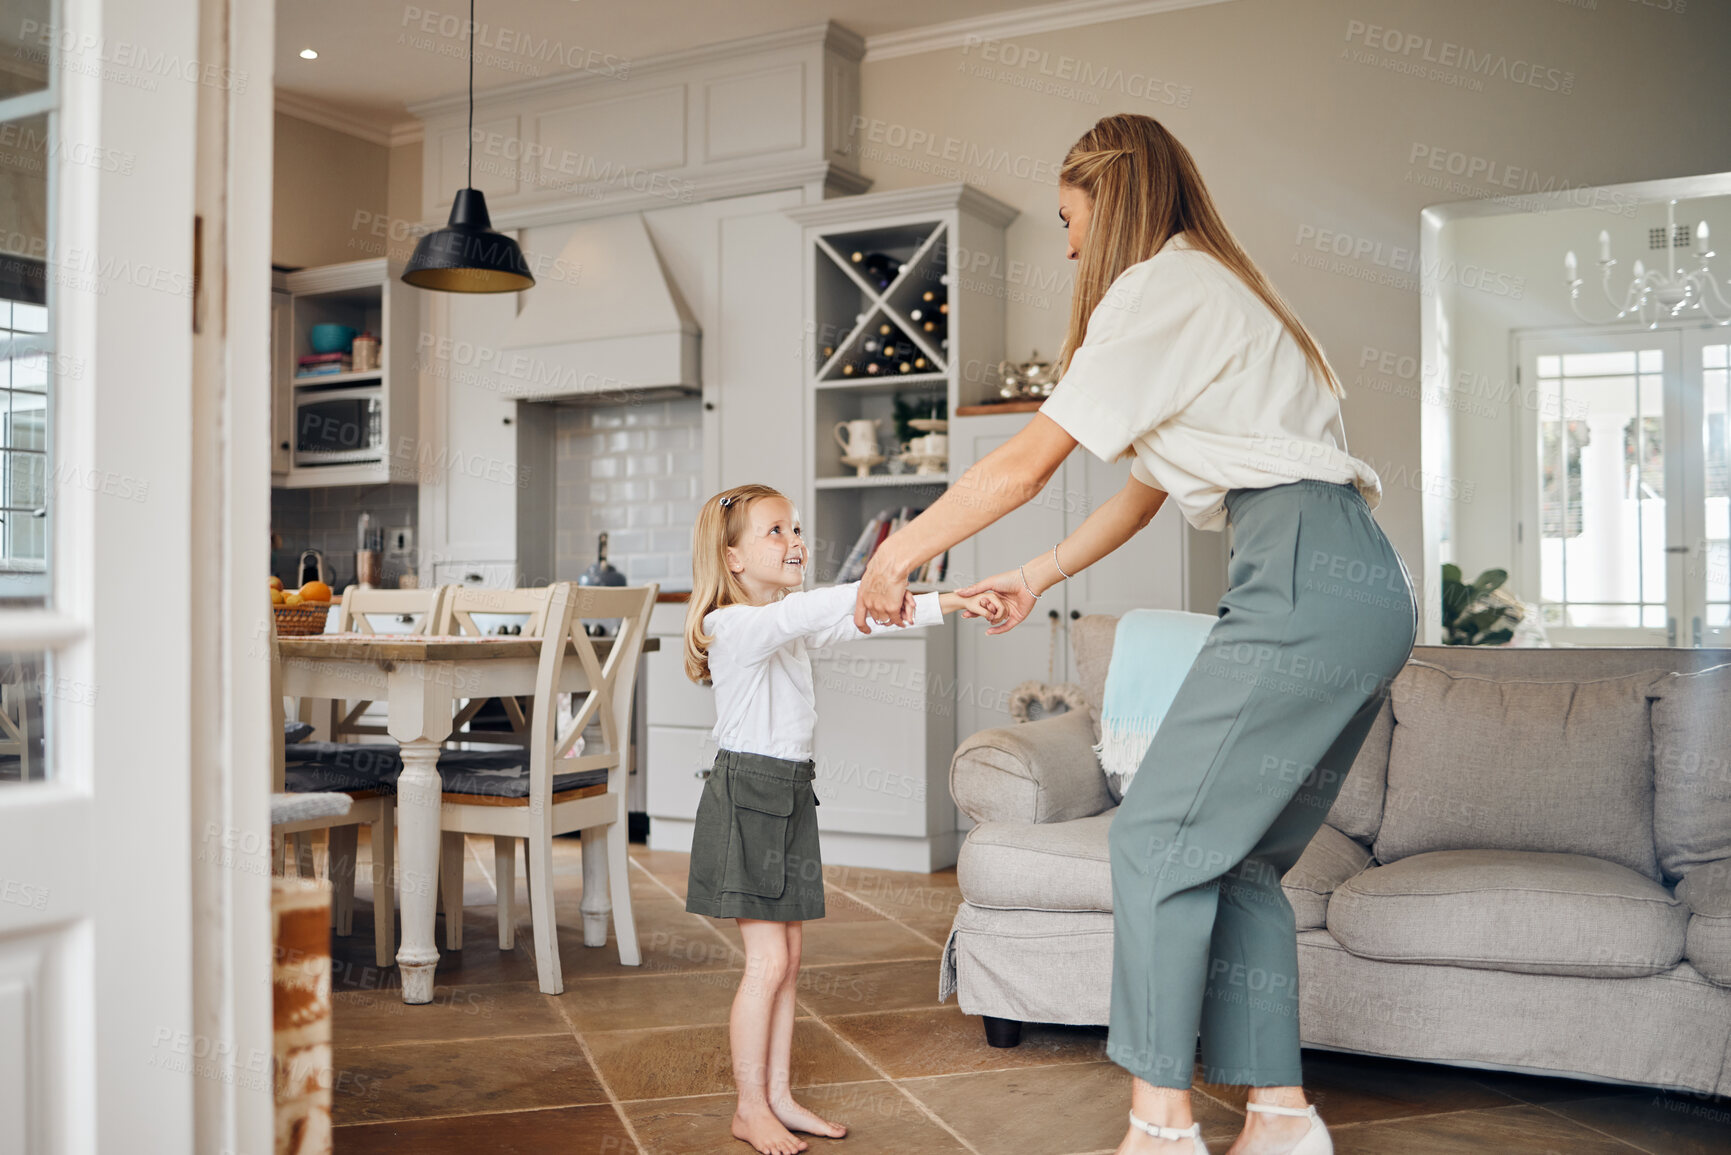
(329, 338)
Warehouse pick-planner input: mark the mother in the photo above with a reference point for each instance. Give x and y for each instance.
(1181, 354)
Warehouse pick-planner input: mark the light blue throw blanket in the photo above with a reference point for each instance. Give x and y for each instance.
(1152, 651)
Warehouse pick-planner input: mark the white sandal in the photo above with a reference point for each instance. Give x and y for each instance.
(1192, 1132)
(1315, 1141)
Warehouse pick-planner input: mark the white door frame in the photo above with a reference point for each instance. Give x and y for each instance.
(135, 1002)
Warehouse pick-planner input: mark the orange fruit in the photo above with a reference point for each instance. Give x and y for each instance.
(315, 591)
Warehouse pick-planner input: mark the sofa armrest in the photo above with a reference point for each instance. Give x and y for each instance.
(1040, 771)
(1329, 860)
(1706, 890)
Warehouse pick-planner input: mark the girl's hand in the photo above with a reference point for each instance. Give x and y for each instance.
(1014, 601)
(984, 605)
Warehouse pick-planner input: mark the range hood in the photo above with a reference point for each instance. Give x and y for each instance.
(604, 322)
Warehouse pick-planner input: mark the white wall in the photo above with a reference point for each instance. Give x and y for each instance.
(1304, 133)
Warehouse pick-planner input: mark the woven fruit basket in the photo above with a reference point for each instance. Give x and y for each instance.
(299, 621)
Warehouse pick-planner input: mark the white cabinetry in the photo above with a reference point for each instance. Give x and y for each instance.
(351, 428)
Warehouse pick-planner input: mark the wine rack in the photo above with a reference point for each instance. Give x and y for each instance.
(904, 301)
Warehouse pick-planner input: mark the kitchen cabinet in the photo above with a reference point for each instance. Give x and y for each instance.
(1168, 565)
(357, 427)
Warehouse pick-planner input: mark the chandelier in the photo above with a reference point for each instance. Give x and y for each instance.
(1652, 295)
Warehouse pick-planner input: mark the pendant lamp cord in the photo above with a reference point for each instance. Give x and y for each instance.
(471, 177)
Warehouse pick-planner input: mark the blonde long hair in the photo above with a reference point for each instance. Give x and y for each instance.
(1145, 186)
(713, 585)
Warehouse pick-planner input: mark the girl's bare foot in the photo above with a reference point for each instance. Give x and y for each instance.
(758, 1125)
(798, 1118)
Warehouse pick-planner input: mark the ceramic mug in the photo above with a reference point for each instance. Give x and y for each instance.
(861, 439)
(932, 445)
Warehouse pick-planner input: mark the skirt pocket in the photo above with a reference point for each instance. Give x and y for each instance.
(756, 860)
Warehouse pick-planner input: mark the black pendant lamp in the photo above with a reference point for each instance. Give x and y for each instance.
(467, 256)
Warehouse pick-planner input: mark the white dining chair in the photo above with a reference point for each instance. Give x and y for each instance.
(539, 792)
(457, 616)
(372, 804)
(355, 614)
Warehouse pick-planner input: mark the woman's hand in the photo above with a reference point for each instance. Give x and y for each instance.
(1012, 595)
(883, 597)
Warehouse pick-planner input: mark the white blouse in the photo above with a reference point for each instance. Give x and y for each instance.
(1184, 362)
(762, 675)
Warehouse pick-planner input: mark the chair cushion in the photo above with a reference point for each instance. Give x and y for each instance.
(1481, 763)
(1692, 768)
(503, 774)
(317, 778)
(375, 766)
(296, 807)
(1039, 866)
(293, 731)
(1537, 913)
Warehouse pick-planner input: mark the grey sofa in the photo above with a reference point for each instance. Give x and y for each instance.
(1528, 868)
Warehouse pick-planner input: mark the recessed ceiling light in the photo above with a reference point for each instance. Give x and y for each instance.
(309, 54)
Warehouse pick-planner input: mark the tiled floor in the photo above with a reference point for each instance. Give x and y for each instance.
(634, 1059)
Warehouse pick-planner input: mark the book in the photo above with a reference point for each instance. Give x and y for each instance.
(854, 564)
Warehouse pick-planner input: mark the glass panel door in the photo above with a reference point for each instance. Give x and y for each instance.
(1606, 474)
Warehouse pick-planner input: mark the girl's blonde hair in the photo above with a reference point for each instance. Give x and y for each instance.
(1144, 186)
(721, 522)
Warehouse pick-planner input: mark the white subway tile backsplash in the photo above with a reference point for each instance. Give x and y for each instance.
(640, 567)
(647, 465)
(626, 541)
(672, 488)
(633, 471)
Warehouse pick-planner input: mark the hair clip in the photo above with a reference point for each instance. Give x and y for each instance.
(726, 501)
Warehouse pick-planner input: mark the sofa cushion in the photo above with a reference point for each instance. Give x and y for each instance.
(1537, 913)
(1091, 638)
(1329, 860)
(1706, 891)
(1484, 763)
(1039, 866)
(1357, 809)
(1692, 768)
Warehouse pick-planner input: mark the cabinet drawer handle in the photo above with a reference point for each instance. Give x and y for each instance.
(1074, 614)
(1053, 614)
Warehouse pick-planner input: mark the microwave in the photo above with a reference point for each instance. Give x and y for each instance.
(339, 426)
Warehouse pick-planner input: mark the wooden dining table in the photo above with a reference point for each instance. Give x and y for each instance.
(421, 679)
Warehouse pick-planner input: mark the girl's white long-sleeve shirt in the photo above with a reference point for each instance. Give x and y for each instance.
(759, 666)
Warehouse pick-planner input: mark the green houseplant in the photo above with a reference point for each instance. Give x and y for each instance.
(1473, 615)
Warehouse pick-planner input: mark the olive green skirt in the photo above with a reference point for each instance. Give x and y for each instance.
(754, 853)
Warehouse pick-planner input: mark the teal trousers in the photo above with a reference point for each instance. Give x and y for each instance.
(1318, 617)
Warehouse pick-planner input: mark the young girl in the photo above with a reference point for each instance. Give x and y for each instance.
(754, 854)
